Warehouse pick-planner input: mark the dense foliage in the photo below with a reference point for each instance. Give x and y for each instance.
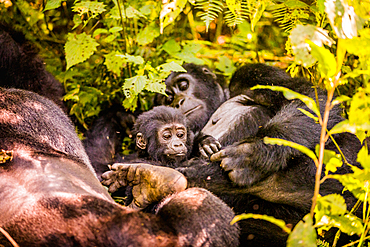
(106, 52)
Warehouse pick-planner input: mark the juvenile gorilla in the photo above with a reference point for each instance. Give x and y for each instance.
(162, 136)
(51, 196)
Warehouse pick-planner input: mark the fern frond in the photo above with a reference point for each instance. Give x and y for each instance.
(210, 10)
(232, 19)
(290, 13)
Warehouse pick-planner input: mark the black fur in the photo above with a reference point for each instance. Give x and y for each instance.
(20, 67)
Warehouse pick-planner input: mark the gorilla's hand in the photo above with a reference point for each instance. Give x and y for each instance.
(238, 160)
(208, 146)
(150, 183)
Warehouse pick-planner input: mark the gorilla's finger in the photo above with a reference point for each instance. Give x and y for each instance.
(208, 149)
(114, 187)
(107, 175)
(218, 156)
(214, 148)
(225, 164)
(219, 146)
(203, 153)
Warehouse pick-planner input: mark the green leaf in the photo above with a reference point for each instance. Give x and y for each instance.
(357, 182)
(131, 12)
(78, 48)
(332, 160)
(171, 67)
(171, 47)
(52, 4)
(309, 114)
(115, 62)
(169, 12)
(327, 61)
(225, 64)
(130, 103)
(303, 234)
(290, 94)
(134, 85)
(134, 59)
(349, 224)
(88, 7)
(332, 204)
(298, 37)
(363, 157)
(279, 223)
(99, 31)
(303, 149)
(148, 34)
(156, 86)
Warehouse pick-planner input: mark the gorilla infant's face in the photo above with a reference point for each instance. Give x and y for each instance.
(173, 138)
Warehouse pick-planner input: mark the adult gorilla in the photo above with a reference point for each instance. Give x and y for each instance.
(197, 93)
(266, 179)
(50, 195)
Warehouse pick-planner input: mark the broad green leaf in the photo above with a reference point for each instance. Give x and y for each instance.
(78, 48)
(156, 86)
(171, 67)
(363, 157)
(99, 31)
(130, 103)
(171, 47)
(115, 62)
(327, 61)
(279, 223)
(170, 11)
(340, 100)
(52, 4)
(134, 59)
(131, 12)
(303, 149)
(298, 37)
(357, 183)
(332, 204)
(225, 65)
(88, 7)
(303, 234)
(148, 34)
(134, 85)
(115, 29)
(348, 224)
(290, 94)
(332, 160)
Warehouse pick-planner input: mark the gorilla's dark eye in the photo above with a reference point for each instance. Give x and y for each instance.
(166, 135)
(206, 71)
(180, 134)
(183, 85)
(169, 99)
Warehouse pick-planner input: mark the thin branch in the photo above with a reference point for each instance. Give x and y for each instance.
(11, 240)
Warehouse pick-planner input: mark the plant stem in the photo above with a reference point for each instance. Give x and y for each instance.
(322, 147)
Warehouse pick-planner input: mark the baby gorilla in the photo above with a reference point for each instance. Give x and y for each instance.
(162, 137)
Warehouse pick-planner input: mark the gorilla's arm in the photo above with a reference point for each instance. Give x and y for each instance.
(104, 139)
(251, 160)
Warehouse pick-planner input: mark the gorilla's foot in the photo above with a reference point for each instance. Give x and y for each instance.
(150, 183)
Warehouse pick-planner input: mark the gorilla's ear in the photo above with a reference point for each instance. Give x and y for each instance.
(140, 141)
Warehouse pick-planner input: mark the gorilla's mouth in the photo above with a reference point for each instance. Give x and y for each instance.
(188, 112)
